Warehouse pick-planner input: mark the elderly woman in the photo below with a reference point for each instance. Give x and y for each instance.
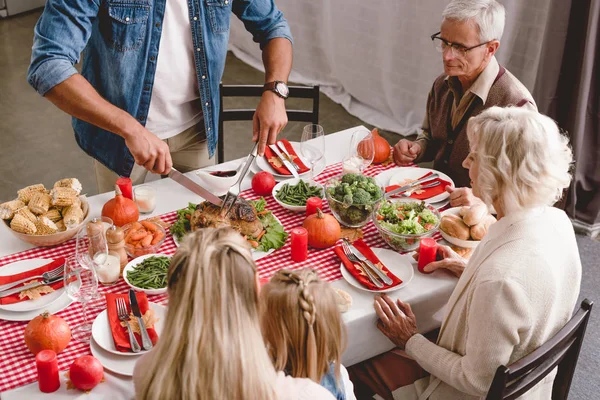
(520, 285)
(472, 82)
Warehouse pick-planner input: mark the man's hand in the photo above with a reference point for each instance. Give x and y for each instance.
(405, 152)
(449, 260)
(149, 151)
(396, 320)
(462, 197)
(269, 119)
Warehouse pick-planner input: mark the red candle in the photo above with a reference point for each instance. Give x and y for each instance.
(47, 368)
(312, 204)
(299, 244)
(125, 185)
(427, 253)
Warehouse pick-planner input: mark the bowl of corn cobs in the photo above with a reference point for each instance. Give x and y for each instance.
(43, 217)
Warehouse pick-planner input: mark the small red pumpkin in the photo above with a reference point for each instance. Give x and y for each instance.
(323, 230)
(86, 373)
(121, 209)
(382, 148)
(47, 332)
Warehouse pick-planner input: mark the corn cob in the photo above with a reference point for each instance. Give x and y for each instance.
(27, 193)
(72, 216)
(62, 196)
(22, 225)
(39, 203)
(53, 215)
(71, 183)
(7, 210)
(60, 225)
(26, 212)
(45, 227)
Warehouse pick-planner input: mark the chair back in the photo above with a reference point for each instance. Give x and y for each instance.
(561, 350)
(298, 92)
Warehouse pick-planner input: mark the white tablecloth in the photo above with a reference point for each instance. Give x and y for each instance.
(376, 58)
(427, 294)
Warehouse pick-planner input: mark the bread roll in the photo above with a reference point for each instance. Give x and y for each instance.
(480, 230)
(454, 226)
(475, 214)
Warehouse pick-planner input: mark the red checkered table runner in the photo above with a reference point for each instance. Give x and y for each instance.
(17, 364)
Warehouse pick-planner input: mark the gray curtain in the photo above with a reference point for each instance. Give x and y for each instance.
(568, 89)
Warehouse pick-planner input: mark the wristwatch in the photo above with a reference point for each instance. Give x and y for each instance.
(279, 87)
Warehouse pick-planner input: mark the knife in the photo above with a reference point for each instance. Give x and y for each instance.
(135, 309)
(287, 155)
(386, 279)
(194, 187)
(410, 185)
(30, 286)
(284, 160)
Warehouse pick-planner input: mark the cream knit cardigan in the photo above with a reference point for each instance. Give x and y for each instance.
(517, 291)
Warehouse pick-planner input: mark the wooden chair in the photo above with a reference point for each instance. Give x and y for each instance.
(562, 350)
(302, 92)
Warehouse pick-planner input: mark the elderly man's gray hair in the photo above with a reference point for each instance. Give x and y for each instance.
(489, 16)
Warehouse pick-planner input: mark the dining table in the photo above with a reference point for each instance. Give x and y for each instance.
(426, 293)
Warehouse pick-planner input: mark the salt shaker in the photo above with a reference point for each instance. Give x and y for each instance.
(115, 237)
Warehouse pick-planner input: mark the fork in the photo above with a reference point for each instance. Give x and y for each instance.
(409, 192)
(365, 261)
(46, 276)
(124, 316)
(355, 260)
(236, 188)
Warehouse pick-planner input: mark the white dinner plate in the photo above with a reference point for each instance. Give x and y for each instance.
(397, 264)
(112, 362)
(30, 305)
(260, 164)
(466, 244)
(396, 176)
(103, 336)
(256, 255)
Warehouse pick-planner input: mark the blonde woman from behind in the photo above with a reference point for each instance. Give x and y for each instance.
(211, 346)
(303, 329)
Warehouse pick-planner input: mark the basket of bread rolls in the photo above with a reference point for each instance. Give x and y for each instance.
(466, 226)
(46, 217)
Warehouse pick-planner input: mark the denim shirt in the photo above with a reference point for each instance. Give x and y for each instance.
(120, 42)
(329, 382)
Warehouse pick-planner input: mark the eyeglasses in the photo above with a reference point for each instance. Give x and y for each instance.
(458, 50)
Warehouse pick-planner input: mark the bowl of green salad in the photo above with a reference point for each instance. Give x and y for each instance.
(352, 198)
(402, 223)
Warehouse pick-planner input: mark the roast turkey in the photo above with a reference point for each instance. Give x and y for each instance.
(242, 218)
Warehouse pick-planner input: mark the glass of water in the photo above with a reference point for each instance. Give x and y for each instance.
(313, 145)
(81, 285)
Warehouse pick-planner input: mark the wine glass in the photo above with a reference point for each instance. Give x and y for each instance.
(92, 251)
(313, 145)
(362, 151)
(81, 284)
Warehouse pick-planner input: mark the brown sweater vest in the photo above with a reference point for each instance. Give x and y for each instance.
(449, 147)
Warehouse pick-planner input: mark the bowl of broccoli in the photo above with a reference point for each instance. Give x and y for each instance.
(402, 223)
(352, 198)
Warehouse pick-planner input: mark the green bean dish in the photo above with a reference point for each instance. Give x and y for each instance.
(296, 195)
(150, 273)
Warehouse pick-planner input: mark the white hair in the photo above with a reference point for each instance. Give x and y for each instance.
(524, 160)
(488, 16)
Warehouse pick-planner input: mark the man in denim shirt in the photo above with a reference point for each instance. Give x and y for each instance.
(148, 95)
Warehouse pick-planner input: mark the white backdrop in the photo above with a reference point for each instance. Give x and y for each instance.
(375, 57)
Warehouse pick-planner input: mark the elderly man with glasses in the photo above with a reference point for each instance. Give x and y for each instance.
(472, 82)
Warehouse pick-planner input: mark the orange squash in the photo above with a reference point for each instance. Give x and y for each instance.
(47, 332)
(382, 148)
(323, 230)
(121, 209)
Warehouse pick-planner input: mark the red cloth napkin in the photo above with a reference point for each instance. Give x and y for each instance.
(358, 274)
(283, 170)
(427, 193)
(14, 298)
(120, 335)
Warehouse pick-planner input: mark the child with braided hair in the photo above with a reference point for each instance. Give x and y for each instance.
(303, 329)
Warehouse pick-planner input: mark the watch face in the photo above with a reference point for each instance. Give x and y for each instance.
(282, 89)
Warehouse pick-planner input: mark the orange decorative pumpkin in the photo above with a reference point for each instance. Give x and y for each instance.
(382, 148)
(323, 230)
(47, 332)
(121, 209)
